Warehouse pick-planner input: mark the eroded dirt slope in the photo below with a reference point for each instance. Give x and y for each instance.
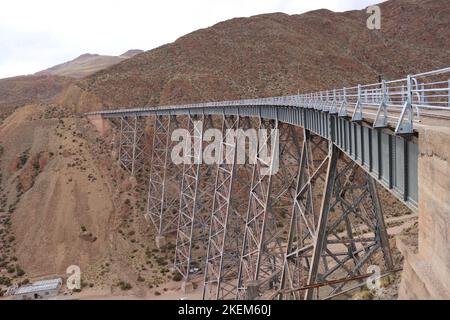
(64, 200)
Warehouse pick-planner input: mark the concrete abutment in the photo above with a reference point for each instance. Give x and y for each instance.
(426, 273)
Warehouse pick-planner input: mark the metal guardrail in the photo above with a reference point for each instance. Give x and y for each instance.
(401, 100)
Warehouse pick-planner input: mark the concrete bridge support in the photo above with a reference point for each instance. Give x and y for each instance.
(426, 272)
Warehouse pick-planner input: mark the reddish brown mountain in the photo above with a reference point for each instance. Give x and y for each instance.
(18, 91)
(276, 54)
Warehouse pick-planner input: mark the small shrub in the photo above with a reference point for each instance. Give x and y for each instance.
(161, 261)
(177, 277)
(22, 160)
(5, 281)
(124, 285)
(19, 271)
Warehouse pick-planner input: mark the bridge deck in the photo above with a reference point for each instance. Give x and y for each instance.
(375, 124)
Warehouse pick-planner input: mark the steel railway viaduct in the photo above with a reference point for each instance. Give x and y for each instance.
(320, 217)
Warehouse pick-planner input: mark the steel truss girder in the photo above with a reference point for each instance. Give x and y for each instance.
(195, 197)
(132, 144)
(351, 228)
(305, 212)
(270, 195)
(228, 214)
(163, 190)
(397, 171)
(332, 244)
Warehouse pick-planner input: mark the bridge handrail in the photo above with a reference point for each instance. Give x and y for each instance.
(427, 90)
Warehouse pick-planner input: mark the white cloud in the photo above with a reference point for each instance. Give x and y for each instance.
(38, 34)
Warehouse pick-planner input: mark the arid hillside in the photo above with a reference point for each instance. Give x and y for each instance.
(64, 200)
(18, 91)
(275, 54)
(87, 64)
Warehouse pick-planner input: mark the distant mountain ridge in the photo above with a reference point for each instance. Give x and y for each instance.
(87, 64)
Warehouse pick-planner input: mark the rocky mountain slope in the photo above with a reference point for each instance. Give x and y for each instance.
(87, 64)
(19, 91)
(64, 201)
(275, 54)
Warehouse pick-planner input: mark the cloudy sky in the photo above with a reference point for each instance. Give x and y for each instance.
(35, 35)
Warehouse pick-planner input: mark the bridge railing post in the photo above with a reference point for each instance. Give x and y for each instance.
(405, 123)
(357, 112)
(381, 118)
(332, 109)
(343, 108)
